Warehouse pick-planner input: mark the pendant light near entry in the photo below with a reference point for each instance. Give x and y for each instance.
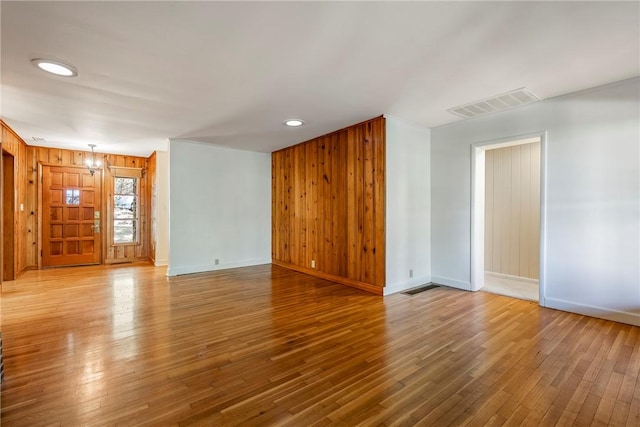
(92, 164)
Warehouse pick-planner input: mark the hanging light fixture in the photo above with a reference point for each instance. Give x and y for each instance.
(92, 164)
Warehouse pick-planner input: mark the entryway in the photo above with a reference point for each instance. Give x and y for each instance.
(70, 216)
(506, 223)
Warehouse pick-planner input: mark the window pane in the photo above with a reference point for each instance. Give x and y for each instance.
(125, 185)
(124, 207)
(124, 231)
(125, 215)
(73, 197)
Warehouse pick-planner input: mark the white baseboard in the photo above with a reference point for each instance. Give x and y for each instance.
(454, 283)
(593, 311)
(510, 277)
(161, 262)
(190, 269)
(403, 286)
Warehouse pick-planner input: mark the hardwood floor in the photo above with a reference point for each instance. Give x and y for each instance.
(264, 345)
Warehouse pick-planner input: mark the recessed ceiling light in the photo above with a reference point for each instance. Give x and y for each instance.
(293, 122)
(55, 67)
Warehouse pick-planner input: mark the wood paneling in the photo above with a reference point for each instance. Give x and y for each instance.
(126, 253)
(28, 160)
(9, 262)
(512, 210)
(328, 206)
(11, 141)
(111, 253)
(152, 197)
(128, 346)
(1, 228)
(23, 219)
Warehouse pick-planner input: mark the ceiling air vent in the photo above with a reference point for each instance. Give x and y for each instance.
(494, 104)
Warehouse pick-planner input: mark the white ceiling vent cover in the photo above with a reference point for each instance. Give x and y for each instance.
(494, 104)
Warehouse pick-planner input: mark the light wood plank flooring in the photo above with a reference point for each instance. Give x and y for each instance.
(263, 345)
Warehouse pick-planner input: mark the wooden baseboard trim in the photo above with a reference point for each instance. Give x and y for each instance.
(377, 290)
(126, 260)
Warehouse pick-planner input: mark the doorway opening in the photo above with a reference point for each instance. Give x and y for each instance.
(508, 217)
(8, 217)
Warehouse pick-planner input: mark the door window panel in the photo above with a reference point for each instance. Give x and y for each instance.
(73, 197)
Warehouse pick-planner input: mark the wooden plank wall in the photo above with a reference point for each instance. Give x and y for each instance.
(24, 231)
(27, 159)
(8, 218)
(134, 252)
(328, 206)
(111, 253)
(512, 210)
(153, 208)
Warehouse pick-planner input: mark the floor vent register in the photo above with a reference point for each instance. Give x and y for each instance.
(420, 289)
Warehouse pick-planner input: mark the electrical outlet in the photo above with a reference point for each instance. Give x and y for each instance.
(216, 261)
(313, 263)
(411, 273)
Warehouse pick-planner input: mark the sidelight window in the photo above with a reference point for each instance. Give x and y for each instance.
(125, 210)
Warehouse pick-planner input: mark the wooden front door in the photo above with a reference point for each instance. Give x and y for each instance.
(70, 216)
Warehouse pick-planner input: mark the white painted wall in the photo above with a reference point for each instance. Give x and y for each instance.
(407, 177)
(592, 236)
(162, 206)
(220, 207)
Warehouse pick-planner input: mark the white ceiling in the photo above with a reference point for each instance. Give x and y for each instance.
(230, 73)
